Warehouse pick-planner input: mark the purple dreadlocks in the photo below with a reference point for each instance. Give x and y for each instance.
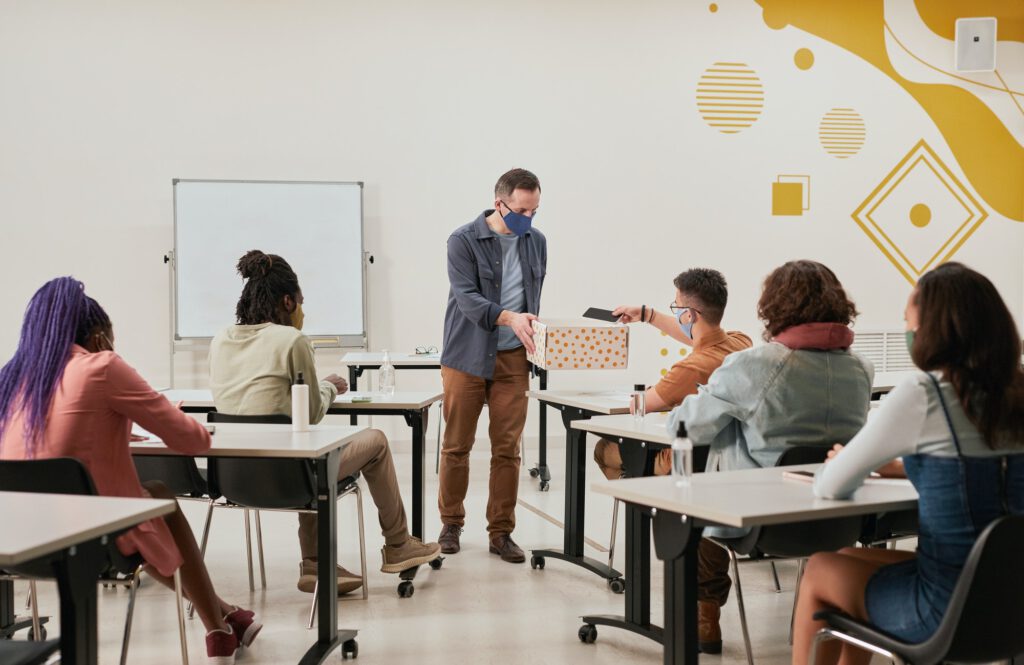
(59, 315)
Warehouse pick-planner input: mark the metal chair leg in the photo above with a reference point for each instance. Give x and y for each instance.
(259, 550)
(796, 595)
(312, 609)
(202, 546)
(437, 450)
(181, 617)
(611, 539)
(775, 577)
(362, 538)
(739, 602)
(248, 550)
(132, 589)
(33, 602)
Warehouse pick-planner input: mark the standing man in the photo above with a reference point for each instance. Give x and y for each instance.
(496, 267)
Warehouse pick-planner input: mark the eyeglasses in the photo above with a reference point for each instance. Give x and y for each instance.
(528, 213)
(425, 350)
(679, 309)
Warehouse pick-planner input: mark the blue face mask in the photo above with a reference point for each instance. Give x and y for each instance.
(517, 223)
(687, 328)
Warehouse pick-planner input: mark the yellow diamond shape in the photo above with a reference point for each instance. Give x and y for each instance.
(920, 214)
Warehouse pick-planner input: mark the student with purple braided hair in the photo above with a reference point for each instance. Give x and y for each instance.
(65, 393)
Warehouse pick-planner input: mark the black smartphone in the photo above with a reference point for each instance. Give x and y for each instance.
(601, 315)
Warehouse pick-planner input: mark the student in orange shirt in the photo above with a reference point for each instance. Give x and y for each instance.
(695, 320)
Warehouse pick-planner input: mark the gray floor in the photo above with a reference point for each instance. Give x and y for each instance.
(475, 610)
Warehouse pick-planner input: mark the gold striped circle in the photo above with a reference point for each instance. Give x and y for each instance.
(730, 96)
(842, 132)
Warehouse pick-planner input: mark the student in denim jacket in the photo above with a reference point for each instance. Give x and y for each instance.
(803, 388)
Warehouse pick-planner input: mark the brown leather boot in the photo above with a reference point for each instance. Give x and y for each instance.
(709, 632)
(509, 551)
(449, 539)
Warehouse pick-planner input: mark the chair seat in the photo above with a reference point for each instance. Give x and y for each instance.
(27, 653)
(865, 631)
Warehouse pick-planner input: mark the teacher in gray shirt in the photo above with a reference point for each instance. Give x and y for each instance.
(496, 267)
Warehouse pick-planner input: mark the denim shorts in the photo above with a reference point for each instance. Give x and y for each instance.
(895, 604)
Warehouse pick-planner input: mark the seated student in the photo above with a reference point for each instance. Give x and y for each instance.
(65, 393)
(958, 425)
(252, 368)
(696, 320)
(803, 388)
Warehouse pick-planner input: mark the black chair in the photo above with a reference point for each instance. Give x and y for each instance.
(65, 475)
(27, 653)
(273, 484)
(789, 541)
(983, 621)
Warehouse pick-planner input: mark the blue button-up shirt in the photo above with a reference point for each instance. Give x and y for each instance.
(474, 272)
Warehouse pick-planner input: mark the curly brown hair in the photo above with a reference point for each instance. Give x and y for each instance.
(803, 292)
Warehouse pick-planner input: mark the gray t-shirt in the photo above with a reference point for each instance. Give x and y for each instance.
(513, 297)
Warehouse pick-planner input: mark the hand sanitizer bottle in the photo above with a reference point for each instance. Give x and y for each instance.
(300, 406)
(682, 457)
(387, 376)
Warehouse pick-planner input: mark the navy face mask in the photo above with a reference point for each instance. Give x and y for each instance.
(517, 223)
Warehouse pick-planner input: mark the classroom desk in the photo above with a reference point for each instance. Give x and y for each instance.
(68, 534)
(322, 445)
(359, 362)
(578, 405)
(753, 497)
(413, 406)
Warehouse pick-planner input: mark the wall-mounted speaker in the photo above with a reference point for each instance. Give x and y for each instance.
(975, 44)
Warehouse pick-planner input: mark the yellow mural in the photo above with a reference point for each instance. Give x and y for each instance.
(920, 214)
(988, 154)
(791, 195)
(730, 96)
(842, 132)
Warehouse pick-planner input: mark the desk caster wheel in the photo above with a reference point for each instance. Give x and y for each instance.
(588, 633)
(544, 486)
(534, 472)
(537, 562)
(436, 563)
(349, 649)
(32, 634)
(405, 590)
(617, 585)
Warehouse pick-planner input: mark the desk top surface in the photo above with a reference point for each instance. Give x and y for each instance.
(245, 440)
(652, 428)
(203, 398)
(756, 497)
(363, 359)
(606, 402)
(35, 525)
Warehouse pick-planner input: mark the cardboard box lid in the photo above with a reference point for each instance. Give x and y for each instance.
(579, 322)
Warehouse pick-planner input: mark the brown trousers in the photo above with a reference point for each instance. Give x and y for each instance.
(464, 398)
(609, 460)
(369, 454)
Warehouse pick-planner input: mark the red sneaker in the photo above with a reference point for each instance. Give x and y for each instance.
(245, 625)
(221, 646)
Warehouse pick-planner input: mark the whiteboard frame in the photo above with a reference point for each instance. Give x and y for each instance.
(359, 340)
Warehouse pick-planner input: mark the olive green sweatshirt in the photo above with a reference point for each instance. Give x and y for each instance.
(252, 369)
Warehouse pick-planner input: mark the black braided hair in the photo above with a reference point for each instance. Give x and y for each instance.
(93, 320)
(268, 279)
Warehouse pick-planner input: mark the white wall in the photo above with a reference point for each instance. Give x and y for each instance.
(103, 103)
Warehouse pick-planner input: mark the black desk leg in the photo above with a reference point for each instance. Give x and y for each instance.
(354, 373)
(417, 420)
(76, 572)
(542, 471)
(575, 499)
(676, 541)
(638, 583)
(7, 615)
(328, 635)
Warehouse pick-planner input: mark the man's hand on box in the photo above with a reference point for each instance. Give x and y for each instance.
(627, 313)
(521, 325)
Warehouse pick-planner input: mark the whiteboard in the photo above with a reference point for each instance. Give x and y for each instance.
(316, 226)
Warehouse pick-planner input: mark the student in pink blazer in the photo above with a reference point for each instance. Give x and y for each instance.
(65, 393)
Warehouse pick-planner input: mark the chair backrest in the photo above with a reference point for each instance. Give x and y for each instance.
(805, 538)
(180, 474)
(57, 475)
(261, 483)
(985, 614)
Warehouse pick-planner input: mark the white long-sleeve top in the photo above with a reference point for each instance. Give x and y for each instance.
(909, 421)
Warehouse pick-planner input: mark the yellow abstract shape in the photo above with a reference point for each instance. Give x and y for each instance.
(952, 213)
(664, 352)
(712, 8)
(787, 198)
(920, 215)
(682, 351)
(664, 371)
(987, 152)
(803, 58)
(940, 16)
(730, 96)
(842, 132)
